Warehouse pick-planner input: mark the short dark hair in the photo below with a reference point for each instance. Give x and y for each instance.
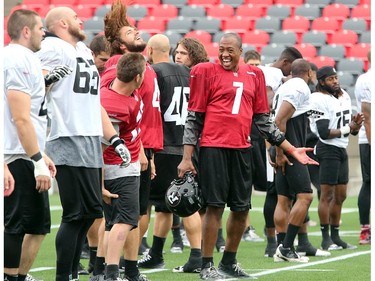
(300, 67)
(18, 20)
(235, 36)
(290, 54)
(99, 44)
(313, 67)
(129, 66)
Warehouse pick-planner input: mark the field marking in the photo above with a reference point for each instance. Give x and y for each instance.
(256, 209)
(344, 257)
(41, 269)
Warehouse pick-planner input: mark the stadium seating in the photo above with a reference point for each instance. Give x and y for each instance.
(221, 11)
(137, 12)
(284, 37)
(308, 51)
(151, 25)
(250, 11)
(177, 3)
(319, 3)
(268, 24)
(358, 51)
(209, 24)
(203, 36)
(315, 38)
(351, 65)
(337, 11)
(237, 24)
(279, 11)
(165, 11)
(194, 12)
(309, 11)
(297, 24)
(320, 61)
(356, 24)
(334, 51)
(180, 24)
(346, 79)
(233, 3)
(258, 38)
(343, 37)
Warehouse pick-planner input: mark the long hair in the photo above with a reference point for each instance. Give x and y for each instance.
(114, 20)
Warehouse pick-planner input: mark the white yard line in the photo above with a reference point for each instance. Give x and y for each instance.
(298, 266)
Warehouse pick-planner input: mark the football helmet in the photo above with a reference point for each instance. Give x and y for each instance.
(183, 196)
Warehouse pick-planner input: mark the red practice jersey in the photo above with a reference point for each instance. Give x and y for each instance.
(151, 124)
(229, 99)
(124, 111)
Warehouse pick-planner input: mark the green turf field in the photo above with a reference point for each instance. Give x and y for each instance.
(342, 265)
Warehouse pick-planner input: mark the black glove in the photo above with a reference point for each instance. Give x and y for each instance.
(56, 74)
(121, 150)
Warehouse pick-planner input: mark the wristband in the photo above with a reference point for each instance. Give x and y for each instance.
(36, 157)
(345, 131)
(290, 150)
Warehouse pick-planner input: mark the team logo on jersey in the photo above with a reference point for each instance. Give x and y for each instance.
(250, 73)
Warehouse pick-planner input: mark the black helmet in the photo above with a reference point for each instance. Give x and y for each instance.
(183, 196)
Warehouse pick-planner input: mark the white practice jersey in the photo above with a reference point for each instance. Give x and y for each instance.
(296, 92)
(273, 76)
(363, 88)
(23, 72)
(75, 97)
(337, 110)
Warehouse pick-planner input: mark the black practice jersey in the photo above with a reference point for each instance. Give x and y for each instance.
(173, 81)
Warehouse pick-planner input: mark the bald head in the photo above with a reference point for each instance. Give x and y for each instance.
(55, 15)
(158, 49)
(64, 22)
(159, 42)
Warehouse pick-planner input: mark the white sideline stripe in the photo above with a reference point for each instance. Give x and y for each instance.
(344, 257)
(256, 209)
(266, 272)
(41, 269)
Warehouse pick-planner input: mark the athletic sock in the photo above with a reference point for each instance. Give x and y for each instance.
(290, 235)
(112, 271)
(228, 258)
(131, 269)
(99, 266)
(157, 247)
(206, 261)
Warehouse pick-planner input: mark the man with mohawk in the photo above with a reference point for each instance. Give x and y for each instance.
(124, 38)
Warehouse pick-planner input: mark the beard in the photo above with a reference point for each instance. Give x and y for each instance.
(135, 48)
(77, 33)
(332, 91)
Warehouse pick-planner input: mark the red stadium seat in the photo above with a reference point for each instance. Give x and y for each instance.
(205, 3)
(250, 11)
(91, 2)
(320, 61)
(63, 2)
(308, 51)
(338, 11)
(164, 11)
(149, 3)
(212, 49)
(36, 2)
(84, 11)
(203, 36)
(363, 12)
(220, 11)
(237, 24)
(151, 25)
(343, 37)
(297, 24)
(261, 3)
(359, 51)
(257, 38)
(325, 24)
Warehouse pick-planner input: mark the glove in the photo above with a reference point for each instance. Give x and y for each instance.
(121, 150)
(56, 74)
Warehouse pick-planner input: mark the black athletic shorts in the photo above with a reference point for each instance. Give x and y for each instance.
(125, 208)
(145, 184)
(166, 170)
(80, 192)
(296, 179)
(226, 177)
(26, 210)
(333, 162)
